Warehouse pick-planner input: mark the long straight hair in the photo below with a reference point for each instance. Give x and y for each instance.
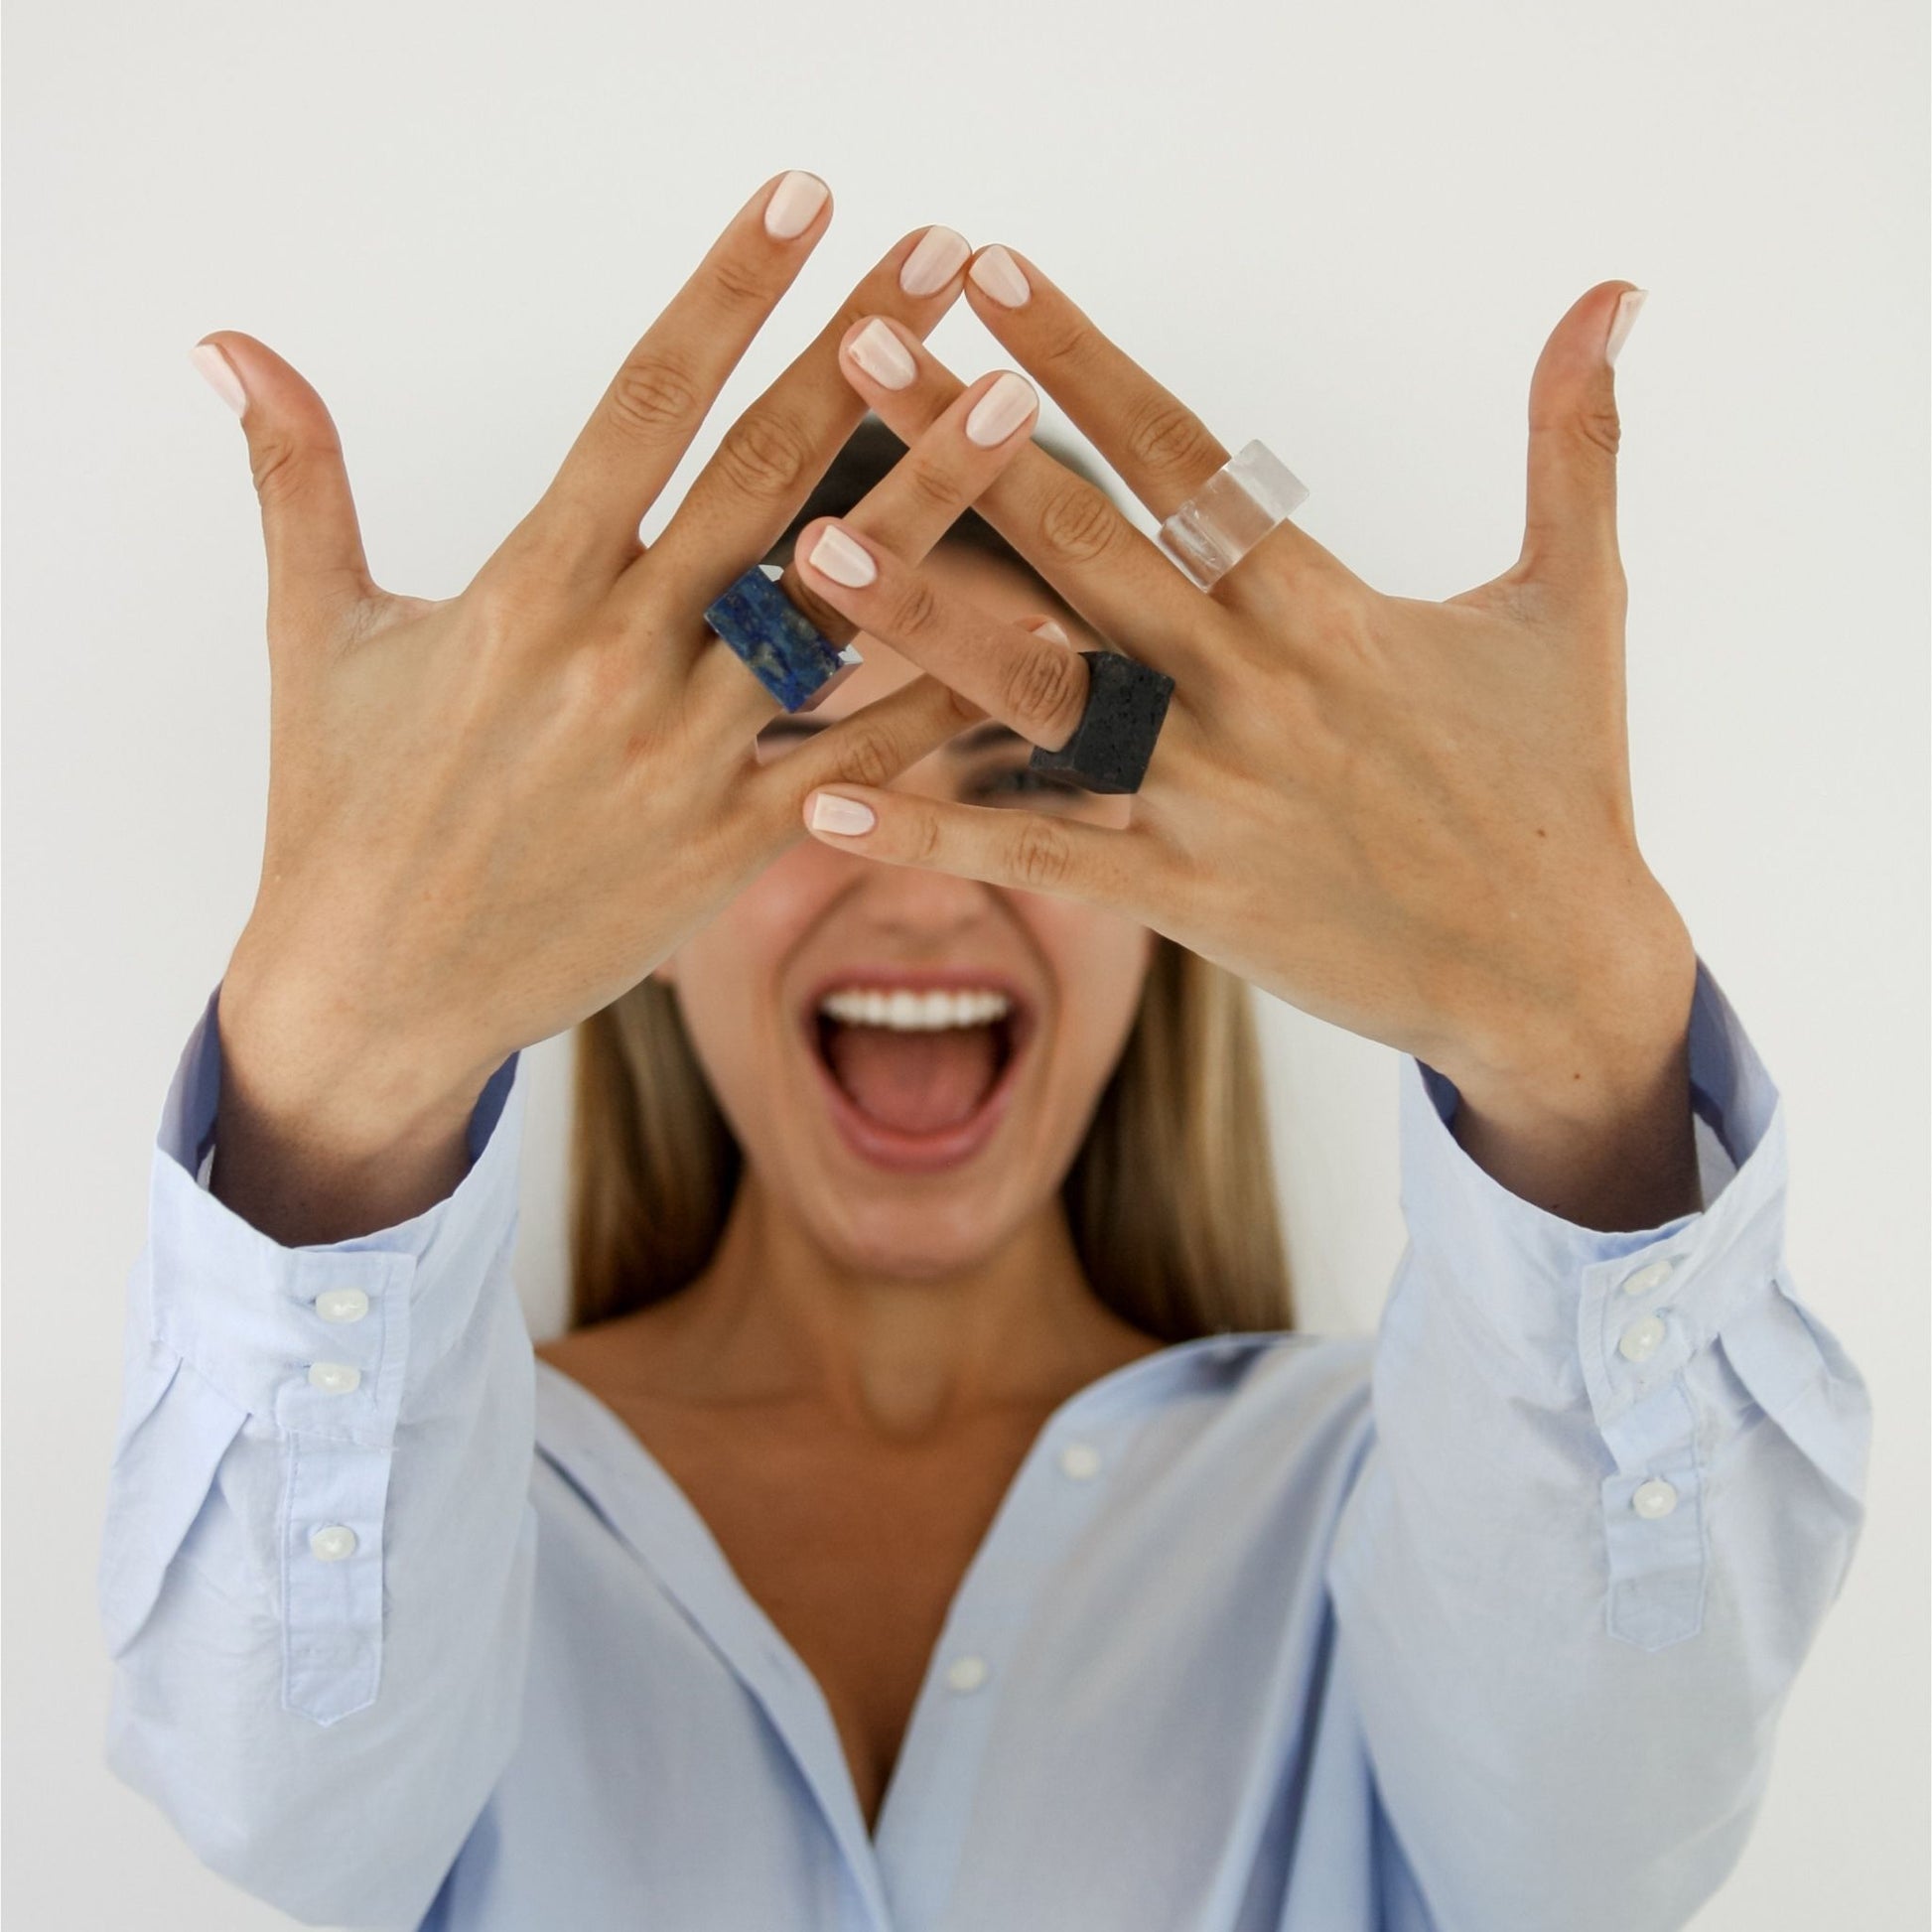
(1169, 1198)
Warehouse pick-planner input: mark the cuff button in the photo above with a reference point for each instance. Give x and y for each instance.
(332, 1541)
(1654, 1498)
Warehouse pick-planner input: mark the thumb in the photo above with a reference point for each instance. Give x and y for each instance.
(315, 562)
(1570, 530)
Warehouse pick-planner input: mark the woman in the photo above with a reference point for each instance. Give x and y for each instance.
(934, 1518)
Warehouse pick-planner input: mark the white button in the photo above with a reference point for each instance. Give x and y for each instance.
(1640, 1340)
(1654, 1498)
(334, 1378)
(332, 1541)
(1081, 1460)
(966, 1673)
(1647, 1278)
(342, 1304)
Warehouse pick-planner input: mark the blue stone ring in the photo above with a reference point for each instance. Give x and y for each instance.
(782, 648)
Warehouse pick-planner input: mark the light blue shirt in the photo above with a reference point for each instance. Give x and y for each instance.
(1481, 1624)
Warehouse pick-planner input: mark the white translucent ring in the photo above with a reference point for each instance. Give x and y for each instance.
(1245, 498)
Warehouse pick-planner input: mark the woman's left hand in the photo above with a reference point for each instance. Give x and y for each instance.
(1410, 819)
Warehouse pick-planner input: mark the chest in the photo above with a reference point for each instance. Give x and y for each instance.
(854, 1557)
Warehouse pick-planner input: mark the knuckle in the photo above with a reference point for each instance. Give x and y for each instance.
(764, 455)
(652, 397)
(275, 463)
(923, 839)
(1164, 435)
(739, 284)
(1597, 425)
(916, 611)
(1041, 857)
(1069, 346)
(1077, 526)
(1042, 686)
(866, 756)
(929, 486)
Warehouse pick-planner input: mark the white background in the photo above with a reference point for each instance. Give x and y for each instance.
(1345, 228)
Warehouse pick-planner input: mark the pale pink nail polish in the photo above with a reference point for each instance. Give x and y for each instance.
(882, 355)
(1630, 306)
(836, 556)
(1001, 411)
(934, 262)
(794, 204)
(1001, 277)
(831, 813)
(1046, 627)
(221, 374)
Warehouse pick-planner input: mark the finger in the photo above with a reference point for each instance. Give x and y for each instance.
(1570, 528)
(1070, 533)
(1017, 675)
(317, 568)
(640, 431)
(764, 468)
(1160, 448)
(871, 747)
(906, 511)
(1026, 851)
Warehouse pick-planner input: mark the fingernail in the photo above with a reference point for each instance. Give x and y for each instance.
(1000, 276)
(221, 377)
(1630, 306)
(1002, 410)
(934, 262)
(794, 204)
(882, 355)
(1046, 627)
(836, 556)
(831, 813)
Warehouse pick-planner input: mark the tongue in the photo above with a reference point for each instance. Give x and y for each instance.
(917, 1082)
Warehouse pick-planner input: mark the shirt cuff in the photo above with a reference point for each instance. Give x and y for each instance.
(254, 1317)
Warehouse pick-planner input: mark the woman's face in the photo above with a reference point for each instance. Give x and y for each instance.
(914, 1150)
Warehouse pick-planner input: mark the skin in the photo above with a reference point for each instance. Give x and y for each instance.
(868, 1347)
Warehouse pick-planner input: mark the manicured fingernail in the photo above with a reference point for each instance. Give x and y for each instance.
(1002, 410)
(934, 262)
(1628, 307)
(836, 556)
(831, 813)
(794, 204)
(1046, 627)
(221, 374)
(1000, 276)
(882, 355)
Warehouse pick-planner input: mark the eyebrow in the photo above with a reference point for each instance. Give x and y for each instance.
(982, 737)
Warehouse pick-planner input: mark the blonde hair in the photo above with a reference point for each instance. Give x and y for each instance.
(1169, 1198)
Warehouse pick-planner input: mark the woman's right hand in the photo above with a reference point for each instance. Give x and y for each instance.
(491, 814)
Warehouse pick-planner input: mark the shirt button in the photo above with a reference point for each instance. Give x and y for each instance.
(1081, 1460)
(966, 1673)
(334, 1378)
(1647, 1278)
(1654, 1498)
(342, 1304)
(332, 1541)
(1641, 1340)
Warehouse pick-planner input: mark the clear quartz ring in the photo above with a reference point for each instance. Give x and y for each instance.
(1245, 498)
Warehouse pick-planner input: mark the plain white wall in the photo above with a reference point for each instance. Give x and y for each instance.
(1345, 228)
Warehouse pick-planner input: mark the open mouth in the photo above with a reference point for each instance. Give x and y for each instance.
(917, 1076)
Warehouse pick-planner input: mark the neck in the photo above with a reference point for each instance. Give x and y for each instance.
(774, 1318)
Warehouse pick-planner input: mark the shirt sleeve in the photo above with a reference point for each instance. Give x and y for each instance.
(319, 1553)
(1615, 1482)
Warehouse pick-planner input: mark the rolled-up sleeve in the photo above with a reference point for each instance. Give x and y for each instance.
(1617, 1482)
(319, 1548)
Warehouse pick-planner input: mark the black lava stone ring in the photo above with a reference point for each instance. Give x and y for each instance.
(1127, 702)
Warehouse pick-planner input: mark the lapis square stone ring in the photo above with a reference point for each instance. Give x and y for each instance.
(781, 648)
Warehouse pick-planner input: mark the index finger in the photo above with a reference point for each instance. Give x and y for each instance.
(638, 433)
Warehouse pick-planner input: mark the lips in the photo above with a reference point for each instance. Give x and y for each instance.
(898, 1148)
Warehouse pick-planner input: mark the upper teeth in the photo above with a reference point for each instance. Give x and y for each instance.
(913, 1012)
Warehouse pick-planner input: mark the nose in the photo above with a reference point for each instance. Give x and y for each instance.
(918, 903)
